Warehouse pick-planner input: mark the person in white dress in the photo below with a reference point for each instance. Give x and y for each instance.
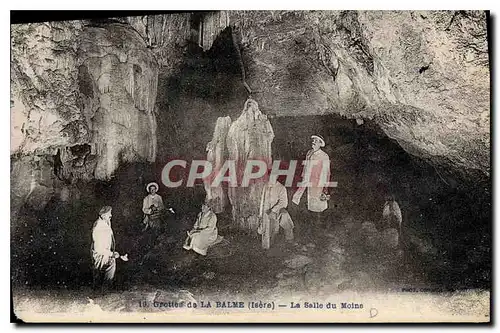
(204, 233)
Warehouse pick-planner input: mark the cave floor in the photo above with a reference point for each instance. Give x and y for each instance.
(320, 263)
(238, 270)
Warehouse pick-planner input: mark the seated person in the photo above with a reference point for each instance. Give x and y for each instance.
(273, 213)
(153, 208)
(204, 232)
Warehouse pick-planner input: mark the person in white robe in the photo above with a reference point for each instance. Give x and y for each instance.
(273, 214)
(204, 233)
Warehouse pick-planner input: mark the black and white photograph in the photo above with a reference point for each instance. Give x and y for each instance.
(251, 166)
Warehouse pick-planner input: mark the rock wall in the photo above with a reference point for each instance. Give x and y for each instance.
(423, 77)
(82, 102)
(122, 75)
(45, 91)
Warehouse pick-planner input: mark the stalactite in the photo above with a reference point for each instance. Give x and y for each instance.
(240, 61)
(216, 153)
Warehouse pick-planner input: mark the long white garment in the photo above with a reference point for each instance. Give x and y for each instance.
(317, 170)
(274, 198)
(102, 243)
(203, 234)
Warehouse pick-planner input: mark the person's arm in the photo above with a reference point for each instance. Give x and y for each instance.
(282, 200)
(207, 222)
(326, 165)
(146, 209)
(160, 203)
(212, 222)
(197, 224)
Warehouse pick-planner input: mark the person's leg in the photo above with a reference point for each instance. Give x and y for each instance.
(109, 275)
(96, 278)
(285, 222)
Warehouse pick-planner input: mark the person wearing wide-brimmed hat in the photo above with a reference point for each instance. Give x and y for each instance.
(152, 207)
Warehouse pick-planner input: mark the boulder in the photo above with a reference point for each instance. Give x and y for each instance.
(390, 238)
(298, 261)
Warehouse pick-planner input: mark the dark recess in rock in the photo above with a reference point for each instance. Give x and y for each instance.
(85, 81)
(423, 69)
(80, 152)
(58, 164)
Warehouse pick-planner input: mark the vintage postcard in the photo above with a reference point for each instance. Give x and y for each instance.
(251, 166)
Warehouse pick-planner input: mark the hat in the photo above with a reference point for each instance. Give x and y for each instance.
(152, 184)
(320, 138)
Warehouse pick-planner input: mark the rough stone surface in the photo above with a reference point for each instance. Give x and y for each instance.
(82, 102)
(122, 73)
(298, 261)
(45, 91)
(167, 36)
(423, 77)
(390, 238)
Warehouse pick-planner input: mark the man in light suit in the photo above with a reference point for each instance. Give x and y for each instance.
(103, 250)
(317, 171)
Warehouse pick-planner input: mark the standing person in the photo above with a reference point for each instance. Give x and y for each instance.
(391, 214)
(317, 169)
(152, 207)
(103, 250)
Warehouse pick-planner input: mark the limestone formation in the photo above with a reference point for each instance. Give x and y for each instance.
(122, 76)
(249, 138)
(216, 155)
(423, 76)
(82, 102)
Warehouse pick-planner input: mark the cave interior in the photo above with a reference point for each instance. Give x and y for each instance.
(50, 247)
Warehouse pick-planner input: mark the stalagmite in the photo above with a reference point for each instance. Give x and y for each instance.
(249, 138)
(216, 153)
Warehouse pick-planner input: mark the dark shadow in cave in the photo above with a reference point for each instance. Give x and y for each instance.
(208, 86)
(367, 165)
